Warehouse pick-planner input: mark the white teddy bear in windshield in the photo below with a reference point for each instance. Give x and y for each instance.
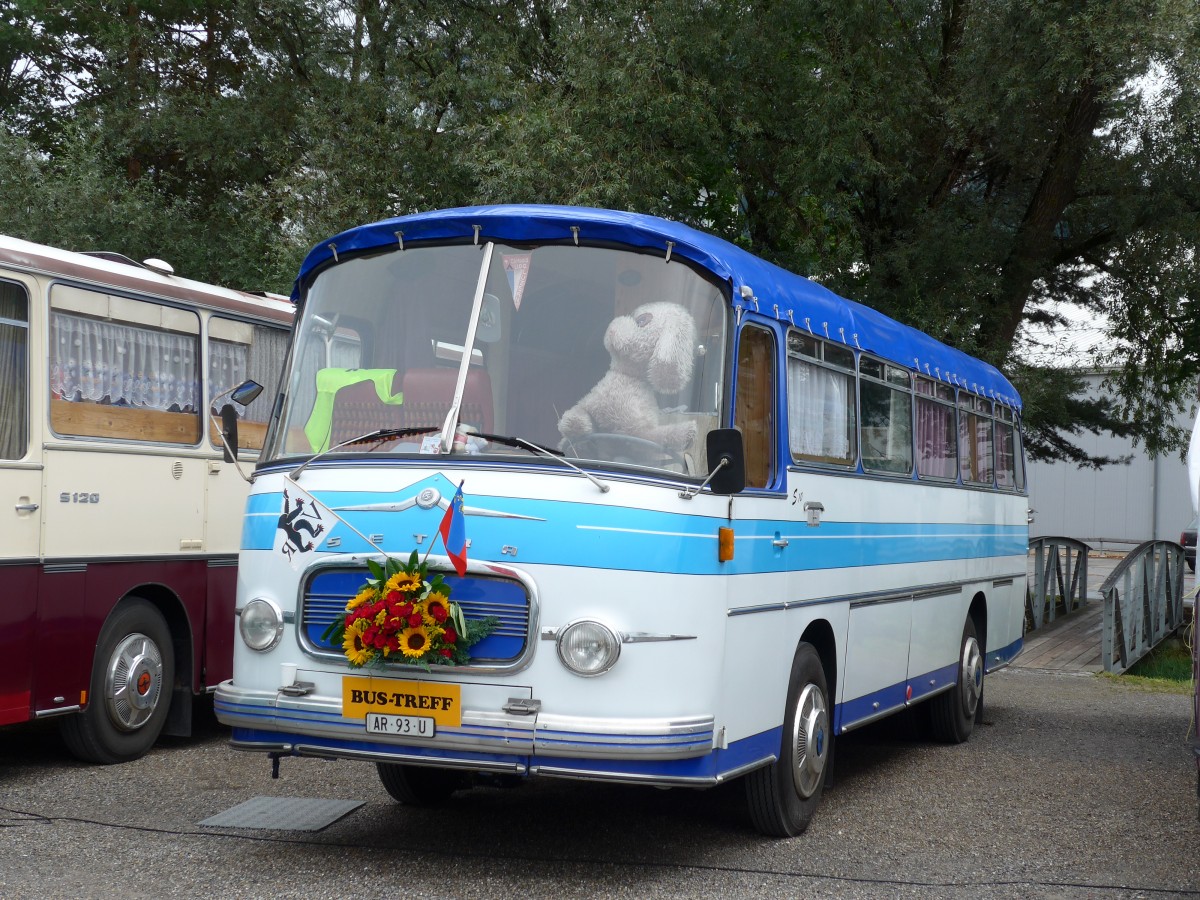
(651, 352)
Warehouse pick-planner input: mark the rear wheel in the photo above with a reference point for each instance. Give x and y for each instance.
(420, 785)
(783, 796)
(130, 689)
(952, 714)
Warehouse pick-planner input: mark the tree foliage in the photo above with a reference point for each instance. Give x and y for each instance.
(955, 163)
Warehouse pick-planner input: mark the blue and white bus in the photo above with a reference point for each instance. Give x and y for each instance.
(715, 515)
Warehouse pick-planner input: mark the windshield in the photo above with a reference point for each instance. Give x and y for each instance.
(606, 355)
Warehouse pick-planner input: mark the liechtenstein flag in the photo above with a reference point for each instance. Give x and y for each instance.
(454, 533)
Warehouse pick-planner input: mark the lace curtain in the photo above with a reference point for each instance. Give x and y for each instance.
(230, 363)
(123, 365)
(820, 423)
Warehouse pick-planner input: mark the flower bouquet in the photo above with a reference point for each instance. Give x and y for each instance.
(402, 614)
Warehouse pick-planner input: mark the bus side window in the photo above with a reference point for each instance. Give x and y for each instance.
(14, 371)
(238, 351)
(754, 404)
(123, 368)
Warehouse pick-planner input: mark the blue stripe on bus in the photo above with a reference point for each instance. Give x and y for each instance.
(603, 537)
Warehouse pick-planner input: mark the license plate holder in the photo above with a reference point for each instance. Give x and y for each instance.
(400, 726)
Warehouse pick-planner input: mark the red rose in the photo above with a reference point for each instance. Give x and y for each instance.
(438, 612)
(415, 620)
(449, 635)
(405, 610)
(394, 597)
(446, 651)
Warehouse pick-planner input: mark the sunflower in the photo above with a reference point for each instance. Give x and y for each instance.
(356, 651)
(402, 582)
(360, 598)
(414, 642)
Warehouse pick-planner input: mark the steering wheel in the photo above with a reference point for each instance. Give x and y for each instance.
(625, 448)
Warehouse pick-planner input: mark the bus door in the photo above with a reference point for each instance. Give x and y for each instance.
(20, 504)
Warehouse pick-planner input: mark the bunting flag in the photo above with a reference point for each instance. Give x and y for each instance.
(454, 533)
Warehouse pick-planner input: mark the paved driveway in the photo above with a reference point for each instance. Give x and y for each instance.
(1075, 786)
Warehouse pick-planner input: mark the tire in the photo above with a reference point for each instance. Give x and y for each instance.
(952, 714)
(420, 785)
(783, 796)
(133, 674)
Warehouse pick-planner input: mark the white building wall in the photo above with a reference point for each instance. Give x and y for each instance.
(1147, 499)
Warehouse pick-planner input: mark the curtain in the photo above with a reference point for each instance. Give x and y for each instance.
(122, 364)
(231, 363)
(14, 372)
(936, 446)
(820, 417)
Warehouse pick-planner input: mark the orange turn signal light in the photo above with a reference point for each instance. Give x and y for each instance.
(724, 544)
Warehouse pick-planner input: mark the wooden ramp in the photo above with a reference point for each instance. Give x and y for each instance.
(1070, 643)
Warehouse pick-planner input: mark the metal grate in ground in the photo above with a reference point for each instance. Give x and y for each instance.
(283, 813)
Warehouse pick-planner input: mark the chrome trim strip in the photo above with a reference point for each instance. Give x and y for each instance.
(444, 762)
(882, 600)
(647, 637)
(621, 777)
(264, 747)
(59, 711)
(748, 767)
(917, 593)
(1002, 582)
(877, 715)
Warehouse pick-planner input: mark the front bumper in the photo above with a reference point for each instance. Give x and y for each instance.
(666, 751)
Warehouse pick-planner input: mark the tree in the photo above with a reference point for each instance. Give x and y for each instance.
(954, 163)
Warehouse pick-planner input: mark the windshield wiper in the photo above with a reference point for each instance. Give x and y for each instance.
(556, 455)
(380, 435)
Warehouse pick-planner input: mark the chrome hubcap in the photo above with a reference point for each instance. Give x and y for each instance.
(971, 677)
(133, 683)
(810, 741)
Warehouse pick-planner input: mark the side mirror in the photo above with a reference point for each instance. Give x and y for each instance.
(229, 406)
(726, 461)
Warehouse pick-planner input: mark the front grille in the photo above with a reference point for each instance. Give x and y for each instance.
(327, 592)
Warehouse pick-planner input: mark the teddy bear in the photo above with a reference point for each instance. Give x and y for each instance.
(651, 351)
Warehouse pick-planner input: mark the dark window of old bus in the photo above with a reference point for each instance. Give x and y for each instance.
(886, 401)
(14, 370)
(1008, 463)
(238, 351)
(123, 369)
(754, 405)
(937, 432)
(821, 402)
(975, 439)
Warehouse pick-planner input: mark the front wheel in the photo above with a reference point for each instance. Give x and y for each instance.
(420, 785)
(783, 796)
(952, 714)
(130, 692)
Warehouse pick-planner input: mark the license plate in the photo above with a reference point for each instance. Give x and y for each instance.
(401, 726)
(438, 702)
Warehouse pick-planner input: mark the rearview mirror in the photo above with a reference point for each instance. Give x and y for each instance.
(229, 406)
(726, 461)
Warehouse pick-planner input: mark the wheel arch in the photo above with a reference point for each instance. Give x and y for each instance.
(170, 605)
(820, 635)
(977, 612)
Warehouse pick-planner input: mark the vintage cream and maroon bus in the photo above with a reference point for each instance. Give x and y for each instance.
(119, 527)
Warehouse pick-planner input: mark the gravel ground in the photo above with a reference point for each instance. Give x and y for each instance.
(1073, 787)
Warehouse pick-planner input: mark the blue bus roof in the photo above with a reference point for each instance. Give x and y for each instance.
(756, 284)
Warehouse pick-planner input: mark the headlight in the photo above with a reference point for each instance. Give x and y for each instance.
(588, 648)
(261, 624)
